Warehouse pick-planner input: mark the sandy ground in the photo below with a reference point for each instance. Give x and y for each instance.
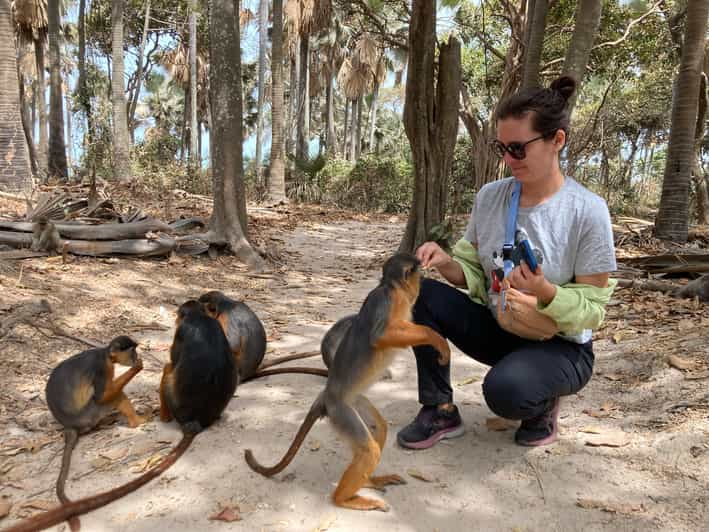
(657, 480)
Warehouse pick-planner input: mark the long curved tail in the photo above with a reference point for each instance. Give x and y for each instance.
(288, 358)
(316, 412)
(71, 436)
(82, 506)
(278, 371)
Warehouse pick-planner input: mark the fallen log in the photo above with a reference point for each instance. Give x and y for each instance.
(107, 231)
(671, 263)
(645, 284)
(99, 248)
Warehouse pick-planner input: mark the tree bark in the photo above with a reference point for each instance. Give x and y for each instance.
(194, 142)
(276, 182)
(27, 123)
(262, 45)
(430, 121)
(121, 149)
(303, 132)
(15, 173)
(345, 130)
(43, 137)
(82, 89)
(330, 135)
(358, 128)
(229, 219)
(373, 116)
(672, 221)
(56, 162)
(588, 18)
(291, 119)
(139, 75)
(535, 42)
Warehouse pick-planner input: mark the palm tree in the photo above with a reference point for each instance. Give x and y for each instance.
(194, 128)
(56, 161)
(262, 45)
(15, 173)
(229, 220)
(121, 148)
(31, 23)
(276, 182)
(673, 217)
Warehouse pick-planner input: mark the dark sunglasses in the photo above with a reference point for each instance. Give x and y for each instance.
(515, 149)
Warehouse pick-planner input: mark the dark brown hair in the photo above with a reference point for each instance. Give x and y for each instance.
(548, 106)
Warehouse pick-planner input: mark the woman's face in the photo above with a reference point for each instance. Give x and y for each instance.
(541, 159)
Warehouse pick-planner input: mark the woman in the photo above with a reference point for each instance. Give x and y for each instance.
(532, 327)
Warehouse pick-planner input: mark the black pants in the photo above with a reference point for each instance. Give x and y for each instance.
(525, 374)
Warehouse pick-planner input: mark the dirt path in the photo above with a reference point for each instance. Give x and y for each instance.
(482, 481)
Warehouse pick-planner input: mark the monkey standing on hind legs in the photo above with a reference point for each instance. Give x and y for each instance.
(382, 325)
(247, 337)
(196, 387)
(81, 391)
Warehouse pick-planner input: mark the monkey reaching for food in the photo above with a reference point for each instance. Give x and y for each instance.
(196, 387)
(81, 391)
(366, 349)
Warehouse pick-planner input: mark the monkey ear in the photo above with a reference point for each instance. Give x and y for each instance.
(211, 307)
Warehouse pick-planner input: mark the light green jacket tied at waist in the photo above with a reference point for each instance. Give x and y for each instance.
(575, 306)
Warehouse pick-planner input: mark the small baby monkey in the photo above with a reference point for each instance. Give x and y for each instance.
(81, 391)
(366, 349)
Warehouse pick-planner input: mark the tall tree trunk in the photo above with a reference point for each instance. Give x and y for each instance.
(358, 129)
(194, 143)
(588, 18)
(373, 116)
(276, 181)
(330, 135)
(68, 134)
(43, 137)
(82, 87)
(700, 180)
(430, 120)
(229, 219)
(27, 122)
(672, 222)
(139, 75)
(345, 130)
(121, 149)
(15, 173)
(353, 130)
(56, 162)
(293, 99)
(535, 42)
(262, 45)
(303, 134)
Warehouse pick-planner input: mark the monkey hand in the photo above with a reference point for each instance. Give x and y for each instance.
(138, 364)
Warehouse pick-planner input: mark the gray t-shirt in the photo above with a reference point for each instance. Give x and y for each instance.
(570, 234)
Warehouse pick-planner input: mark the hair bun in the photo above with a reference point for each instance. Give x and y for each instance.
(565, 86)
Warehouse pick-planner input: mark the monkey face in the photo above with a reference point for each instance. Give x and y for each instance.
(123, 351)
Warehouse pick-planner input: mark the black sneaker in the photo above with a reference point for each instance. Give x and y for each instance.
(431, 426)
(540, 430)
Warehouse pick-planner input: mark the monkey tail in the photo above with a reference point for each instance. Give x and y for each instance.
(71, 436)
(316, 412)
(82, 506)
(279, 371)
(288, 358)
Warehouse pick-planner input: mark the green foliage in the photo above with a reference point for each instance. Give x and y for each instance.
(374, 183)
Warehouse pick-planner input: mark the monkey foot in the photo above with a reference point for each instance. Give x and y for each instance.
(136, 422)
(363, 503)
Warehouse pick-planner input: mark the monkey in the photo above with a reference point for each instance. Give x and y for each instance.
(247, 337)
(196, 386)
(81, 391)
(382, 325)
(45, 236)
(333, 337)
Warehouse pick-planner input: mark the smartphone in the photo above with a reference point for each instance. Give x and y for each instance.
(528, 254)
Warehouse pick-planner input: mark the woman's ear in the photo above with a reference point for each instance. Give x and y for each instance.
(560, 139)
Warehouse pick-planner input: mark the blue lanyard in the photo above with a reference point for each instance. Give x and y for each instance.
(510, 229)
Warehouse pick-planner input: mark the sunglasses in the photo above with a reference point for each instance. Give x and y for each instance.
(515, 149)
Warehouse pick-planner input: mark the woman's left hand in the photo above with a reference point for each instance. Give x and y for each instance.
(522, 278)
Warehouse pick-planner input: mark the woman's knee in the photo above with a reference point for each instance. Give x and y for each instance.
(507, 394)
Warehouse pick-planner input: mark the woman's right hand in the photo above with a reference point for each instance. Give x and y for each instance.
(432, 256)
